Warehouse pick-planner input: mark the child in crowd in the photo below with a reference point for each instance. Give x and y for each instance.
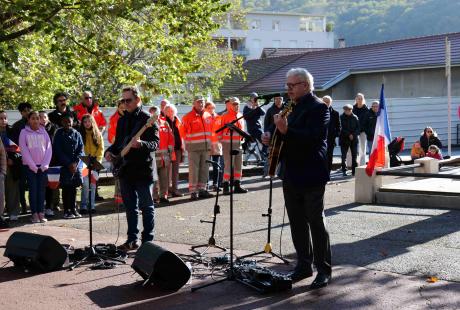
(13, 170)
(94, 146)
(3, 223)
(434, 152)
(417, 151)
(51, 195)
(68, 147)
(36, 150)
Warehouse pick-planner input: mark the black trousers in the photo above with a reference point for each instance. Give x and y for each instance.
(305, 209)
(330, 153)
(69, 195)
(353, 146)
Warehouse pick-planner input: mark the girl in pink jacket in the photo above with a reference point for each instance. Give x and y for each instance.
(36, 151)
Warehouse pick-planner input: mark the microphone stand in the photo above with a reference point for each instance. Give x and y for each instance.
(231, 271)
(91, 252)
(212, 241)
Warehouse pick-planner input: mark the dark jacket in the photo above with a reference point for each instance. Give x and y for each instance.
(252, 117)
(16, 130)
(15, 170)
(55, 117)
(350, 125)
(304, 159)
(334, 127)
(369, 125)
(425, 143)
(361, 113)
(137, 164)
(67, 149)
(269, 125)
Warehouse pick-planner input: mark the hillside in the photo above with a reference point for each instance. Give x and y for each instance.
(365, 21)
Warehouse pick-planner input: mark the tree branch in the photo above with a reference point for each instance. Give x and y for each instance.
(29, 29)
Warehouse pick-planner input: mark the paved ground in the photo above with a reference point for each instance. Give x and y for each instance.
(382, 256)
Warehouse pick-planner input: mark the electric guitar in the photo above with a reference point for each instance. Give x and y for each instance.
(276, 144)
(118, 160)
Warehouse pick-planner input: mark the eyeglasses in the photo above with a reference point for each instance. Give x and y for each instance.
(129, 100)
(88, 98)
(291, 85)
(429, 132)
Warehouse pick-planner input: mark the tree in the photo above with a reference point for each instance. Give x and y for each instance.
(100, 45)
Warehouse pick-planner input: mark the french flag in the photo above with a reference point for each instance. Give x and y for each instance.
(382, 137)
(9, 145)
(85, 171)
(54, 174)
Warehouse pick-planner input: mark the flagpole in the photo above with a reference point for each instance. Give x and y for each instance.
(449, 99)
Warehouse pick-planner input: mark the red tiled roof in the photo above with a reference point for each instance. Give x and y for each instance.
(330, 66)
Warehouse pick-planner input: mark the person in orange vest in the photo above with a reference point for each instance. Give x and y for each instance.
(232, 113)
(88, 106)
(113, 120)
(197, 126)
(111, 132)
(163, 156)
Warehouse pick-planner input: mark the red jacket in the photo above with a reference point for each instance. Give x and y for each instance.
(224, 135)
(81, 110)
(166, 143)
(112, 130)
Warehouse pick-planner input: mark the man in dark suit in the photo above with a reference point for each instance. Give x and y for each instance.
(304, 172)
(333, 130)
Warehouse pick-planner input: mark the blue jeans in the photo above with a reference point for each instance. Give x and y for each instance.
(85, 194)
(138, 195)
(37, 184)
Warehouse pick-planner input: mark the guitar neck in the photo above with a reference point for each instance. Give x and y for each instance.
(126, 149)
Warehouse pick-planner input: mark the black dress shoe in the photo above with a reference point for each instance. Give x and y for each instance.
(298, 275)
(205, 194)
(320, 281)
(164, 200)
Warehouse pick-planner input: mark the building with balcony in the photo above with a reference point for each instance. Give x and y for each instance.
(274, 30)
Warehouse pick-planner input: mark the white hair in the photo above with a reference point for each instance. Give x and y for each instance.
(172, 107)
(302, 74)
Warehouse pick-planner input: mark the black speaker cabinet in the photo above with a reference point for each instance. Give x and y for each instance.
(35, 251)
(160, 267)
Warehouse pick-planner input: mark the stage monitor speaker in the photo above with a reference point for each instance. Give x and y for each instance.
(160, 267)
(39, 252)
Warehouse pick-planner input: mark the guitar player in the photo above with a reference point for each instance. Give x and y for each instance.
(304, 171)
(135, 171)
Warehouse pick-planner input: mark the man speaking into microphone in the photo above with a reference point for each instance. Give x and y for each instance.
(304, 171)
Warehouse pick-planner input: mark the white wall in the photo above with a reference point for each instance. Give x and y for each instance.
(288, 32)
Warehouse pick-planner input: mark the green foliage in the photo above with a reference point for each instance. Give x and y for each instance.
(367, 21)
(46, 46)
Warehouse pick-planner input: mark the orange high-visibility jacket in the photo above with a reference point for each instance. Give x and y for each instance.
(197, 131)
(224, 135)
(112, 130)
(81, 110)
(166, 141)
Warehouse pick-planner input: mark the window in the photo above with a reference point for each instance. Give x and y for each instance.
(311, 24)
(276, 43)
(255, 24)
(256, 43)
(293, 43)
(276, 25)
(308, 44)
